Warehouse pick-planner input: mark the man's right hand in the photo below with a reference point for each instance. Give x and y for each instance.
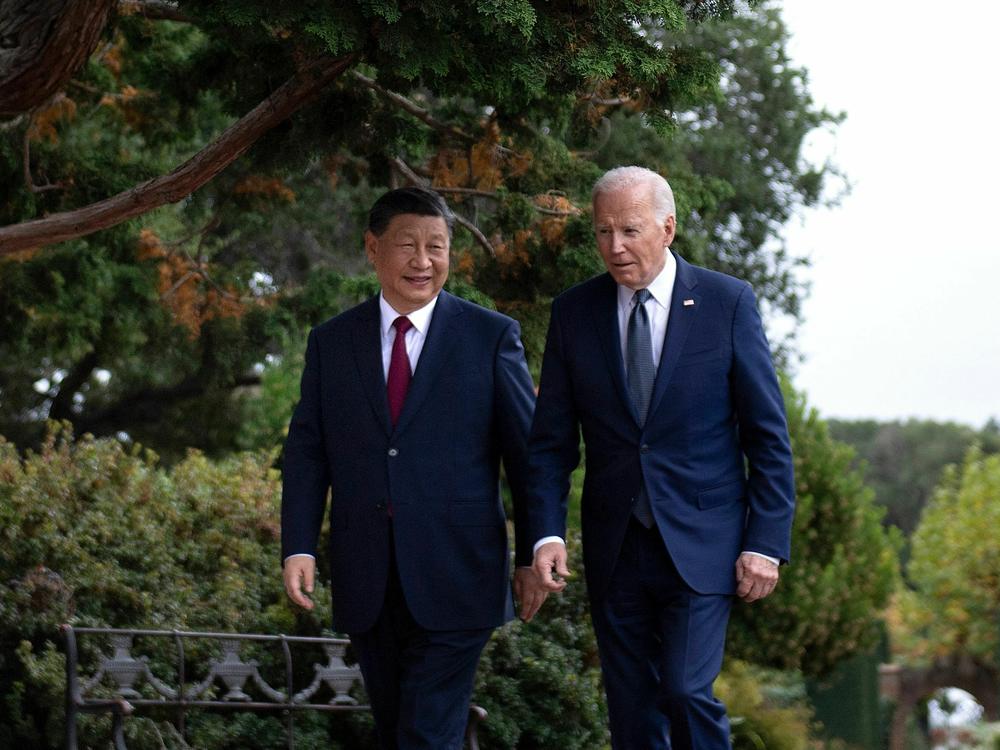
(299, 573)
(551, 556)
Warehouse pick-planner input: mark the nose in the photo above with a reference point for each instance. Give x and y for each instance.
(617, 243)
(421, 257)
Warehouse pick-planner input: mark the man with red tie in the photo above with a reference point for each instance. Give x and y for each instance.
(408, 403)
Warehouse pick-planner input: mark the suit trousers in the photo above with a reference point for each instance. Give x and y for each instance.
(419, 681)
(661, 646)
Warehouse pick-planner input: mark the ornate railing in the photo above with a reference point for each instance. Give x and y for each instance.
(112, 686)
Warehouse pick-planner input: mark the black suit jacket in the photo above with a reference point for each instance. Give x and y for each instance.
(469, 404)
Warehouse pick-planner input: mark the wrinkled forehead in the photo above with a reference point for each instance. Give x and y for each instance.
(632, 204)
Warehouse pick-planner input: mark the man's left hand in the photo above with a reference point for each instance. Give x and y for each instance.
(755, 577)
(529, 592)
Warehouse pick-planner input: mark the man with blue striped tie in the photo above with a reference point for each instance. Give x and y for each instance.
(689, 493)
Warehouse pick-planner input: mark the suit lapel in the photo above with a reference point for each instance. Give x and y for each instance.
(679, 323)
(605, 314)
(439, 342)
(367, 340)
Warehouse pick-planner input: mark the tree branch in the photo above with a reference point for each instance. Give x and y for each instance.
(404, 169)
(477, 235)
(26, 166)
(598, 101)
(11, 124)
(154, 10)
(465, 191)
(296, 92)
(408, 105)
(45, 43)
(493, 196)
(178, 284)
(62, 402)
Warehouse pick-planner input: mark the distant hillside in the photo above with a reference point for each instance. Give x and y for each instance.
(905, 459)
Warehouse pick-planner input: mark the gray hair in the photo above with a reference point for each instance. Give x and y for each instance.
(621, 178)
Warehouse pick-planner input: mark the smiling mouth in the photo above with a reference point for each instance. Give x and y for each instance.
(418, 279)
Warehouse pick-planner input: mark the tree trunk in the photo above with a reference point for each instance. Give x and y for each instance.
(42, 44)
(295, 93)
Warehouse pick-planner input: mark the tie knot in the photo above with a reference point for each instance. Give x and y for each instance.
(641, 296)
(402, 324)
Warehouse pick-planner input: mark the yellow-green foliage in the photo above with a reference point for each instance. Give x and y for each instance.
(954, 606)
(757, 721)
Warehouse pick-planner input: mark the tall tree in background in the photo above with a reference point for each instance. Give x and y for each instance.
(448, 48)
(951, 616)
(903, 461)
(156, 327)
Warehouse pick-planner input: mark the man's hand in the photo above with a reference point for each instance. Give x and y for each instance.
(529, 592)
(551, 556)
(755, 577)
(299, 573)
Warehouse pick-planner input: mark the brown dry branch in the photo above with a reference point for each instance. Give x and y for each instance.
(408, 105)
(494, 196)
(296, 92)
(26, 166)
(404, 169)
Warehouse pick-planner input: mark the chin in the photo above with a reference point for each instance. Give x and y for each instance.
(625, 280)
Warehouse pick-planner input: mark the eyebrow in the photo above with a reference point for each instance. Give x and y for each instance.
(405, 236)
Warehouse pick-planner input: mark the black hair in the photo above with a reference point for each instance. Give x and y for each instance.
(408, 200)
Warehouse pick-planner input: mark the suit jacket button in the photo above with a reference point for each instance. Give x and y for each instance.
(644, 448)
(393, 452)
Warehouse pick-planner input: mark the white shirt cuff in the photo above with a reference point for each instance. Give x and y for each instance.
(299, 554)
(775, 560)
(546, 540)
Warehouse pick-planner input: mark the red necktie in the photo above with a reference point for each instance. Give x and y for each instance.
(399, 369)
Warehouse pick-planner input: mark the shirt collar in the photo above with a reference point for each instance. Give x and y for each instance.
(660, 288)
(420, 318)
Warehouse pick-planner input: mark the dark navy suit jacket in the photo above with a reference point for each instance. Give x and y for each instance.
(469, 403)
(714, 452)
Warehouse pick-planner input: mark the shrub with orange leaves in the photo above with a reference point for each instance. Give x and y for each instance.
(184, 286)
(266, 188)
(43, 124)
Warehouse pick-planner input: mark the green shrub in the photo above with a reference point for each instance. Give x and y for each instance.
(775, 717)
(98, 535)
(541, 681)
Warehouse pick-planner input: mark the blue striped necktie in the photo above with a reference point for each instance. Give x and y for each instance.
(641, 373)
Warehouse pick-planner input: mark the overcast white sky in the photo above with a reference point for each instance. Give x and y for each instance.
(904, 315)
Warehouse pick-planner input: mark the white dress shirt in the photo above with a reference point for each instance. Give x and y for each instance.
(661, 291)
(415, 338)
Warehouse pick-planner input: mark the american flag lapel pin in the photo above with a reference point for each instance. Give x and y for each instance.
(689, 303)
